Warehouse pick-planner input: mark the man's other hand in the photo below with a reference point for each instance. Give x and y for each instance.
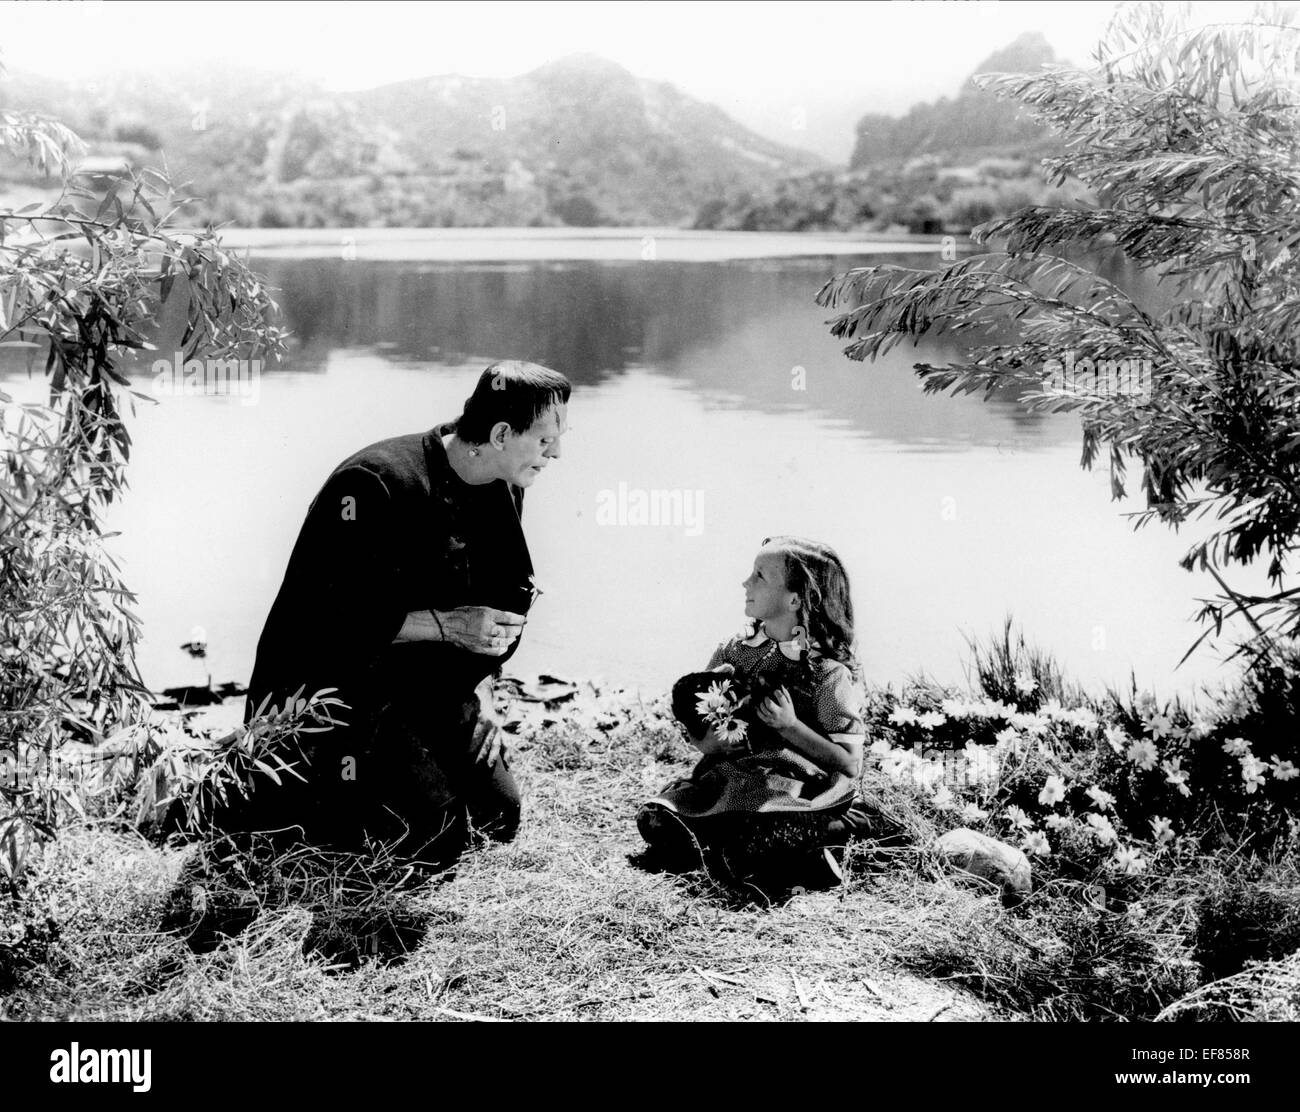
(480, 629)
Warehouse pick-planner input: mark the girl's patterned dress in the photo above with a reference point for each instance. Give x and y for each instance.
(766, 797)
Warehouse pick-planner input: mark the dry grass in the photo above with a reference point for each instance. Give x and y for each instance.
(559, 924)
(1264, 992)
(567, 923)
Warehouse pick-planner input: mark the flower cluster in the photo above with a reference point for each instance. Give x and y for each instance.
(952, 710)
(718, 706)
(1039, 772)
(1025, 740)
(1158, 728)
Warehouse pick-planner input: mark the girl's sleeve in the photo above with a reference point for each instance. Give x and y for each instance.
(839, 705)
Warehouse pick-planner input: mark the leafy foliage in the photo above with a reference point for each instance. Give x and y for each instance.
(229, 771)
(81, 277)
(1163, 848)
(1187, 139)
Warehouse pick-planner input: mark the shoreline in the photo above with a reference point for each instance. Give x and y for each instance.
(633, 244)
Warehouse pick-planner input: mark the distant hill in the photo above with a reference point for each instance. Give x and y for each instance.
(578, 141)
(975, 121)
(943, 168)
(606, 145)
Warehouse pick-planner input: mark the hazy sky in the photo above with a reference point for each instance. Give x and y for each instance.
(767, 63)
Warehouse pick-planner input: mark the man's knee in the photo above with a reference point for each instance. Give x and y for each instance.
(496, 806)
(500, 822)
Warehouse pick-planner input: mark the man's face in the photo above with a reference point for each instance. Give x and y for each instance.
(526, 453)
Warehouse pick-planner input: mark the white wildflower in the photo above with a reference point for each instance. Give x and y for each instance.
(1081, 718)
(1143, 754)
(903, 716)
(989, 708)
(928, 773)
(1162, 830)
(1053, 791)
(1159, 726)
(1253, 771)
(733, 729)
(1029, 723)
(1102, 828)
(1101, 798)
(1035, 842)
(1017, 817)
(1129, 860)
(1284, 770)
(1176, 775)
(716, 699)
(981, 763)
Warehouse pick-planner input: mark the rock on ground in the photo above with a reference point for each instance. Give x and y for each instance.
(979, 855)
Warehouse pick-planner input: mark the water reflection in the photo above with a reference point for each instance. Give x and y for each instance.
(742, 333)
(949, 512)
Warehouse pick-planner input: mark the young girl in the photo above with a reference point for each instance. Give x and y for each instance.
(776, 784)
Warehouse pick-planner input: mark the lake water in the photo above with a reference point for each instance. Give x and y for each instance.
(688, 368)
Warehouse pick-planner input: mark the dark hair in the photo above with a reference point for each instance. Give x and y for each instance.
(816, 574)
(512, 391)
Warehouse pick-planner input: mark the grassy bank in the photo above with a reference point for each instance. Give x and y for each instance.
(569, 923)
(558, 925)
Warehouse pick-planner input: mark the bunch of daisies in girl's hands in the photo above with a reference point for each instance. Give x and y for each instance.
(718, 700)
(719, 708)
(722, 701)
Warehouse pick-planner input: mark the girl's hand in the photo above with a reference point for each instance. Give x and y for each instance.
(777, 710)
(713, 743)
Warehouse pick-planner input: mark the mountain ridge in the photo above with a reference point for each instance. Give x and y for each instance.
(976, 119)
(579, 140)
(583, 117)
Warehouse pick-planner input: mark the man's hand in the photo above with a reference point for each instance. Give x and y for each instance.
(480, 629)
(488, 739)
